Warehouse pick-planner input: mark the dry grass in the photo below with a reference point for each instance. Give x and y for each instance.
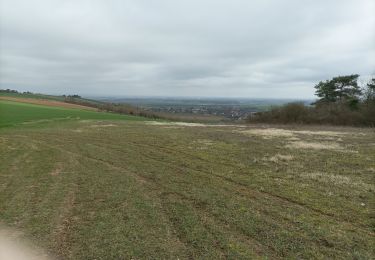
(57, 170)
(174, 123)
(321, 133)
(279, 158)
(183, 124)
(269, 133)
(336, 179)
(202, 144)
(326, 177)
(314, 145)
(104, 125)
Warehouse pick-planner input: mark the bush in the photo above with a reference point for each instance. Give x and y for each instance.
(338, 113)
(289, 113)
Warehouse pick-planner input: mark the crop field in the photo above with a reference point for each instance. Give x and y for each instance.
(13, 112)
(46, 102)
(102, 188)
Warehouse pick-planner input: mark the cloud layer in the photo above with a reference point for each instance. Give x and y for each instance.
(237, 48)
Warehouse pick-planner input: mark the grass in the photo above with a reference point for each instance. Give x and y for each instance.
(12, 113)
(117, 189)
(32, 95)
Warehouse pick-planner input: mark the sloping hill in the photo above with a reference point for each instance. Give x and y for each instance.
(46, 102)
(21, 110)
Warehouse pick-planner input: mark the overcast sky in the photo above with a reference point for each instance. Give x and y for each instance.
(217, 48)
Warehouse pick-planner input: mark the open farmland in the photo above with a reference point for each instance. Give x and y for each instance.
(46, 102)
(18, 112)
(110, 189)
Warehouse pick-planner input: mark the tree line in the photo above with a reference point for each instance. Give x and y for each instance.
(341, 101)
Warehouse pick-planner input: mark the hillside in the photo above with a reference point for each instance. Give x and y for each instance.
(75, 101)
(15, 111)
(107, 186)
(38, 96)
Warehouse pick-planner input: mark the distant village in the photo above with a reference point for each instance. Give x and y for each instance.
(230, 112)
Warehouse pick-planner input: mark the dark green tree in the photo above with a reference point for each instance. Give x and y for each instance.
(347, 87)
(339, 89)
(326, 91)
(369, 91)
(371, 84)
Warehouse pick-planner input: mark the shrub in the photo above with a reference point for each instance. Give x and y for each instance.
(338, 113)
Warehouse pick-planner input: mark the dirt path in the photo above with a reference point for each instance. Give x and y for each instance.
(13, 247)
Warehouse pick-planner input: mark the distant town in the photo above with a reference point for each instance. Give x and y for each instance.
(233, 109)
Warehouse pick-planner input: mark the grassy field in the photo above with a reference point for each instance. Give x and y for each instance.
(43, 97)
(13, 113)
(90, 188)
(32, 95)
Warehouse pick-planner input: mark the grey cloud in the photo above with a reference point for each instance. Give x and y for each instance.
(267, 48)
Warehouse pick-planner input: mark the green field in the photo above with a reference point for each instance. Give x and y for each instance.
(122, 189)
(32, 95)
(44, 97)
(13, 113)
